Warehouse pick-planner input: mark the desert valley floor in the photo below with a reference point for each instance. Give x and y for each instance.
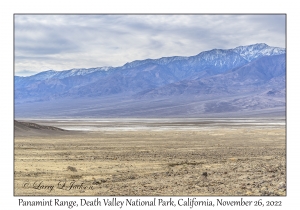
(140, 157)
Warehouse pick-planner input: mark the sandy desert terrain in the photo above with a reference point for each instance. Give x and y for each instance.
(155, 157)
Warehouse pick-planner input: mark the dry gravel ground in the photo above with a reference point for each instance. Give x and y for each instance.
(214, 160)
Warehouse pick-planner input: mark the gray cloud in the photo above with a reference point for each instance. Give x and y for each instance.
(62, 42)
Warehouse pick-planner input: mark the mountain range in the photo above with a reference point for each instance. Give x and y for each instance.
(244, 81)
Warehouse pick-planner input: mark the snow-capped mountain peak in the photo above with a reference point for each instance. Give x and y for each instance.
(255, 51)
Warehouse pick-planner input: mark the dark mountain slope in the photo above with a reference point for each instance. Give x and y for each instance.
(248, 78)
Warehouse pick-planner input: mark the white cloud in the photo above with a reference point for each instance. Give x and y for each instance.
(63, 42)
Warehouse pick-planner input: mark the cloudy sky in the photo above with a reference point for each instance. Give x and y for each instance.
(61, 42)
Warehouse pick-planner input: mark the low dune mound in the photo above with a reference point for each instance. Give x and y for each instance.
(26, 128)
(29, 125)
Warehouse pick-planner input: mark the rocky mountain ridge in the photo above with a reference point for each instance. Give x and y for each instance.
(254, 71)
